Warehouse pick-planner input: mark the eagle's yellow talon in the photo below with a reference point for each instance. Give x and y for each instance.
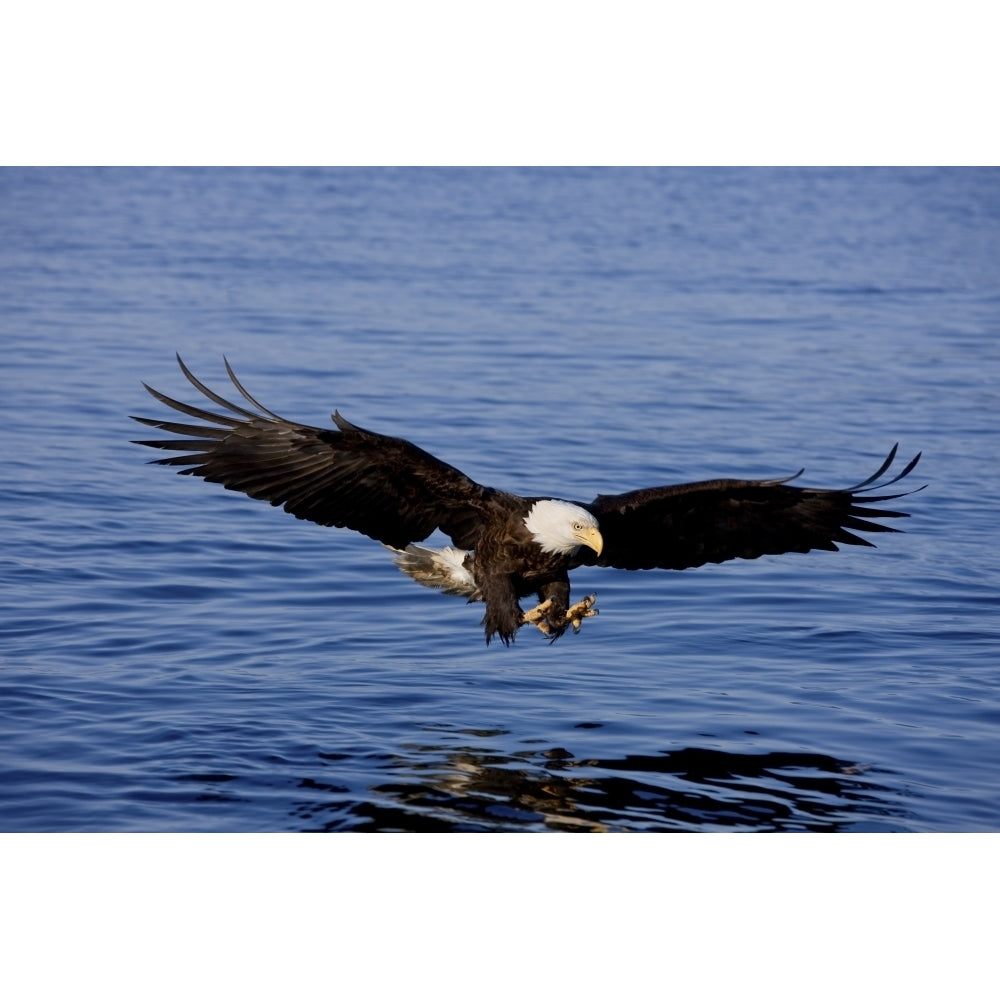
(580, 610)
(537, 617)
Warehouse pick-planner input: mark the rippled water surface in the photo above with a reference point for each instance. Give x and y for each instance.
(176, 657)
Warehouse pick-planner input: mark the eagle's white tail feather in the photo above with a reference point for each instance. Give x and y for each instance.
(445, 569)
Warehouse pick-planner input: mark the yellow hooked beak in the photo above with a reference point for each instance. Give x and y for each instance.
(591, 537)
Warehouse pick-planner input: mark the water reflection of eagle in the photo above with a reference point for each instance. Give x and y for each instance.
(508, 546)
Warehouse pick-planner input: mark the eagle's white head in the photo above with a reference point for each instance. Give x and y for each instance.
(562, 527)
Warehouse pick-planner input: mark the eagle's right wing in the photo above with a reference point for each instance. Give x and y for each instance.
(677, 527)
(384, 487)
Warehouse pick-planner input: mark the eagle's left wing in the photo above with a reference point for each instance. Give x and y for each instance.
(384, 487)
(677, 527)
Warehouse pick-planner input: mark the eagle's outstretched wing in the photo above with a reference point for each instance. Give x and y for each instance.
(677, 527)
(384, 487)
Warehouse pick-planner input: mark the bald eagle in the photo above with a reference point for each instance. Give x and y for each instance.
(507, 546)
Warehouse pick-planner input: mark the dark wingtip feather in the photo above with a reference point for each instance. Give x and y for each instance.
(872, 482)
(213, 396)
(881, 471)
(246, 395)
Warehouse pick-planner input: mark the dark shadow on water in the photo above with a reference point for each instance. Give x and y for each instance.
(465, 789)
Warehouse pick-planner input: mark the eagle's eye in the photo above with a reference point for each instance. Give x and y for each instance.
(578, 526)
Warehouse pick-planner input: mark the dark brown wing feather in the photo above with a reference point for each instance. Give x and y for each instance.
(384, 487)
(677, 527)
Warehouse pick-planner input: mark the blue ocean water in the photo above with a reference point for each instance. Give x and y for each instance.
(174, 657)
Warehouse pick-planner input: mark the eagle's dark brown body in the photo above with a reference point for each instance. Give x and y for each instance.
(509, 565)
(393, 491)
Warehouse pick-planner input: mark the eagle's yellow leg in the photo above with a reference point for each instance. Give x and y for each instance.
(574, 616)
